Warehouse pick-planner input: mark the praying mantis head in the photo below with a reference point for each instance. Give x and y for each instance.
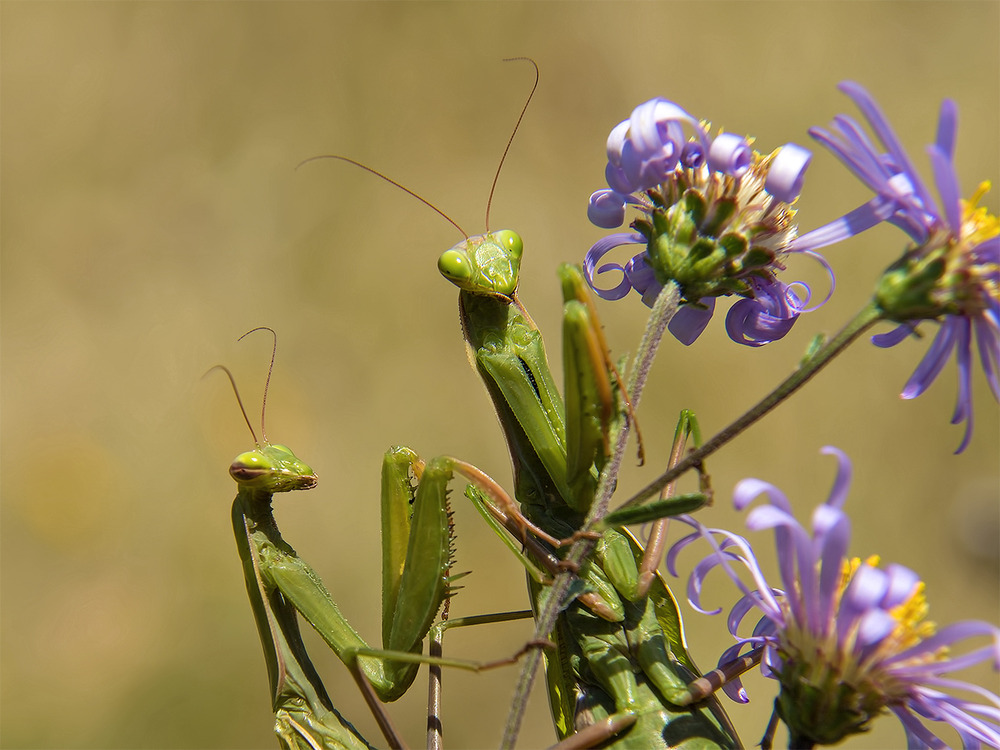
(485, 264)
(272, 468)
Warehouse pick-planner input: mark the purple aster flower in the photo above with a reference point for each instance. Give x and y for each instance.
(951, 272)
(845, 639)
(715, 219)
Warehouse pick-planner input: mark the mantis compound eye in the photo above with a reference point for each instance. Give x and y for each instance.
(249, 466)
(511, 242)
(455, 266)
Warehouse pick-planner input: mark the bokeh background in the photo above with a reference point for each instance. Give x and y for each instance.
(152, 213)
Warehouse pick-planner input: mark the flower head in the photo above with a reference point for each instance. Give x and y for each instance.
(845, 639)
(951, 271)
(715, 219)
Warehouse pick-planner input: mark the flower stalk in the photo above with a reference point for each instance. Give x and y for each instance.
(864, 320)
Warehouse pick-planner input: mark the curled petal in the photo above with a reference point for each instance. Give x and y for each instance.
(616, 142)
(618, 181)
(842, 482)
(601, 248)
(763, 600)
(875, 626)
(763, 597)
(748, 489)
(655, 142)
(730, 154)
(917, 735)
(734, 687)
(651, 294)
(787, 173)
(656, 127)
(767, 317)
(606, 208)
(643, 278)
(963, 404)
(670, 559)
(693, 155)
(631, 167)
(864, 593)
(795, 549)
(902, 582)
(831, 536)
(654, 171)
(697, 579)
(690, 321)
(647, 130)
(803, 293)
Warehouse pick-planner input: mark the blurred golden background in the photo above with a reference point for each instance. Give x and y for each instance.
(152, 213)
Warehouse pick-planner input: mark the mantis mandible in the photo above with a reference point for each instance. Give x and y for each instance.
(416, 541)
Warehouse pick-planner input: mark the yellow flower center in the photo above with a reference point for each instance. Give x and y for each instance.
(839, 662)
(975, 279)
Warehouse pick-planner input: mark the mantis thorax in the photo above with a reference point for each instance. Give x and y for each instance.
(484, 264)
(273, 468)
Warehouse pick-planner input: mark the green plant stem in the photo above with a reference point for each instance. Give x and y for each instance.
(868, 316)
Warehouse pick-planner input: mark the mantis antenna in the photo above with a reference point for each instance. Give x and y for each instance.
(496, 176)
(232, 382)
(493, 187)
(267, 383)
(391, 182)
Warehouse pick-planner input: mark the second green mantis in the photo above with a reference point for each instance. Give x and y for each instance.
(416, 544)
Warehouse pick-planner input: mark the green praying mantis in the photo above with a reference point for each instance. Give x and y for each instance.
(416, 543)
(304, 715)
